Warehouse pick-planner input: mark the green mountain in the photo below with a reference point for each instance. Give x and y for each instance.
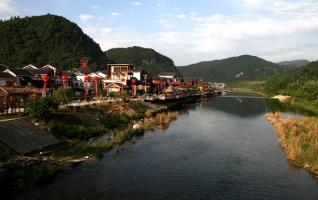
(301, 83)
(147, 59)
(47, 39)
(293, 64)
(239, 68)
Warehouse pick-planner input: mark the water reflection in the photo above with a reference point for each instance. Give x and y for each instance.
(239, 106)
(273, 105)
(163, 120)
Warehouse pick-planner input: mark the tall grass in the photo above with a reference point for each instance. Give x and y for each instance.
(299, 139)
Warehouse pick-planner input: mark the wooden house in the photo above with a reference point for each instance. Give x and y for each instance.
(114, 87)
(24, 77)
(7, 79)
(119, 73)
(15, 97)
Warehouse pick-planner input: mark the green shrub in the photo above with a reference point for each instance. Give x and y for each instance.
(40, 108)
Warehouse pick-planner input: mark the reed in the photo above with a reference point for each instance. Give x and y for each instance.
(299, 139)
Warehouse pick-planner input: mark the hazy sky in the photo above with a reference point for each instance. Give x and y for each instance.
(190, 31)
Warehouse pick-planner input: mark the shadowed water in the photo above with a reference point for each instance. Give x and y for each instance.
(221, 149)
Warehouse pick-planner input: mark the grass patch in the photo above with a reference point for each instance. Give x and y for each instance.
(299, 139)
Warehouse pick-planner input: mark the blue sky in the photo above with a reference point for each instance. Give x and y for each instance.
(190, 31)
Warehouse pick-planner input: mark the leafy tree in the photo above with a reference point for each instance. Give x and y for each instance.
(40, 108)
(60, 95)
(301, 83)
(47, 39)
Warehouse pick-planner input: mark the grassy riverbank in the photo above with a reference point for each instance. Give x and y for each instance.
(86, 133)
(299, 139)
(258, 87)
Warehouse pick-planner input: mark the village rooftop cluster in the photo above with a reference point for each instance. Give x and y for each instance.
(19, 85)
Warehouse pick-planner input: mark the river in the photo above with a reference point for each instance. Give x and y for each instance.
(219, 149)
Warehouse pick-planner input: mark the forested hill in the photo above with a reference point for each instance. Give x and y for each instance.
(293, 64)
(239, 68)
(145, 58)
(47, 39)
(301, 83)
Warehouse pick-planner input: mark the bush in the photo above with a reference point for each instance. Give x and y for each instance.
(40, 108)
(114, 121)
(60, 95)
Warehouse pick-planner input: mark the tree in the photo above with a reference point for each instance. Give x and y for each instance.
(60, 95)
(40, 108)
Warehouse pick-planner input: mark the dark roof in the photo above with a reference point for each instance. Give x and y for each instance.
(3, 67)
(41, 71)
(23, 137)
(21, 72)
(103, 71)
(4, 75)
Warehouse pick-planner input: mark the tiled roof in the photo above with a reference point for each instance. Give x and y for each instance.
(3, 67)
(21, 72)
(23, 137)
(41, 71)
(4, 75)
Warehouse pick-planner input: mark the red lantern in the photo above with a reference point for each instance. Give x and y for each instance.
(87, 78)
(133, 81)
(157, 82)
(64, 77)
(45, 78)
(96, 78)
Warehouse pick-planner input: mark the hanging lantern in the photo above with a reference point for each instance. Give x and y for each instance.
(133, 81)
(96, 78)
(45, 79)
(64, 78)
(87, 78)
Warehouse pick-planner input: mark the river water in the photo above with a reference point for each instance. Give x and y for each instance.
(219, 149)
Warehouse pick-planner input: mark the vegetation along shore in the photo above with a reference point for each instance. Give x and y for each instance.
(299, 139)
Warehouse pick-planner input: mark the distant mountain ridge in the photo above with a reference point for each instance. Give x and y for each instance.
(245, 67)
(293, 64)
(47, 39)
(145, 58)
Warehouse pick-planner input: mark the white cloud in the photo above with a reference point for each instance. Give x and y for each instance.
(7, 9)
(86, 17)
(253, 2)
(166, 23)
(194, 16)
(115, 14)
(289, 31)
(136, 3)
(182, 16)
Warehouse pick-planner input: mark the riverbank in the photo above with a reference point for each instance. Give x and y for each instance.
(256, 87)
(299, 139)
(86, 134)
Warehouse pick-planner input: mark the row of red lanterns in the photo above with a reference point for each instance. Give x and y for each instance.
(157, 82)
(46, 78)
